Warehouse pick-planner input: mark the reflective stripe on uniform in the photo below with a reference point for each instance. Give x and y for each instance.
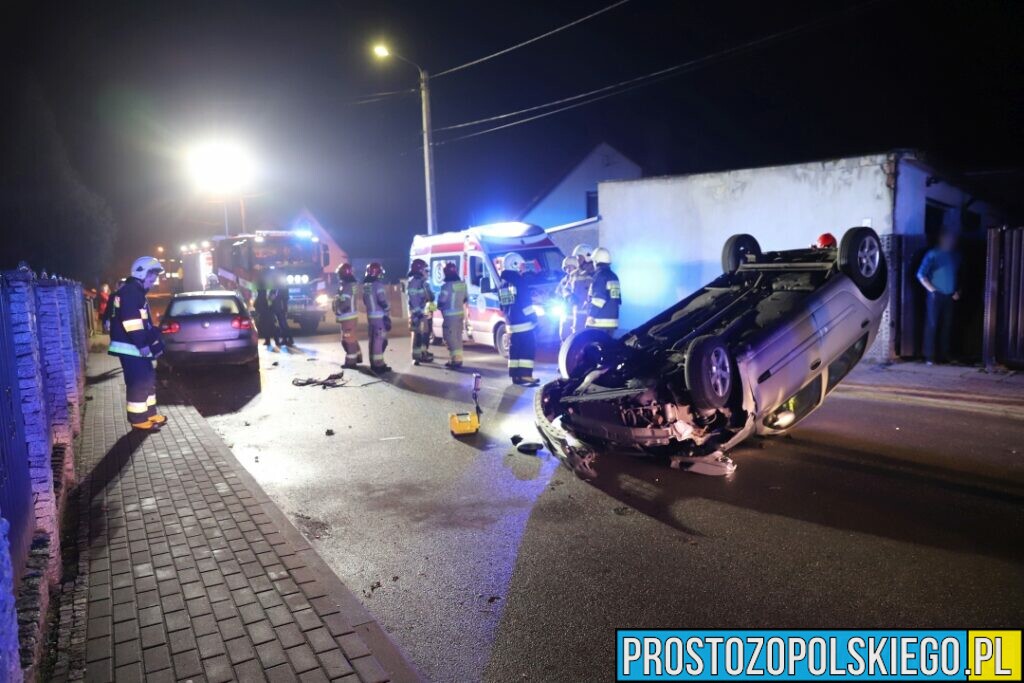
(124, 349)
(351, 356)
(531, 310)
(151, 401)
(453, 314)
(376, 315)
(521, 327)
(133, 325)
(520, 363)
(376, 356)
(347, 316)
(602, 322)
(597, 301)
(138, 407)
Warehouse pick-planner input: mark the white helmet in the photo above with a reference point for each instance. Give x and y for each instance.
(584, 250)
(513, 261)
(569, 264)
(145, 265)
(602, 255)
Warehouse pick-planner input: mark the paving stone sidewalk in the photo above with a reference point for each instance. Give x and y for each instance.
(192, 573)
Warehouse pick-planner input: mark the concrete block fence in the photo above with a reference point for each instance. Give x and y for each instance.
(46, 347)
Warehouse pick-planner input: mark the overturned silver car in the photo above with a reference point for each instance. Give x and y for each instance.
(754, 351)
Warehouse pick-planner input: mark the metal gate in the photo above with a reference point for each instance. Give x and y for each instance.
(1004, 298)
(15, 485)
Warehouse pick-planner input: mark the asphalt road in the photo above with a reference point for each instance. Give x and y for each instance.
(485, 563)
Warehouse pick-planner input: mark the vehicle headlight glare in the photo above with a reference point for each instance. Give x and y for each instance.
(290, 279)
(305, 279)
(556, 310)
(322, 300)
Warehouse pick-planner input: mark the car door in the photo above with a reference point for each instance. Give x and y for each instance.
(841, 319)
(785, 358)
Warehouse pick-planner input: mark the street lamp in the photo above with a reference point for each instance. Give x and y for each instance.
(222, 169)
(382, 52)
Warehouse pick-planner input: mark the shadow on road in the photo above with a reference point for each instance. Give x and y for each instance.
(853, 490)
(212, 391)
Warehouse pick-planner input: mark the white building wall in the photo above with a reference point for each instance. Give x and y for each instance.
(666, 234)
(567, 202)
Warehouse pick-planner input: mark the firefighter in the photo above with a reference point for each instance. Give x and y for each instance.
(266, 321)
(420, 320)
(345, 312)
(378, 317)
(569, 266)
(279, 306)
(452, 302)
(212, 282)
(581, 280)
(521, 317)
(136, 342)
(108, 312)
(826, 240)
(605, 296)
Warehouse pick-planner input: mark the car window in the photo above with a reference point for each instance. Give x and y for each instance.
(476, 270)
(796, 407)
(840, 367)
(181, 308)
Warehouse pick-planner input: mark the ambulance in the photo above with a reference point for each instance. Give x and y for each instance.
(479, 254)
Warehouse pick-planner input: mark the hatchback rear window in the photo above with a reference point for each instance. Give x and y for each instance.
(181, 308)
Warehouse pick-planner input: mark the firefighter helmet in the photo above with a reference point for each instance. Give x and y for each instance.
(583, 250)
(145, 265)
(602, 255)
(513, 261)
(569, 264)
(344, 270)
(450, 269)
(374, 269)
(419, 266)
(826, 240)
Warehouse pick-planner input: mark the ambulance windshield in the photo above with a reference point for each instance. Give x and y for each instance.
(545, 261)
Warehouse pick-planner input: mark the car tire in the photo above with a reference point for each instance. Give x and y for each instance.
(309, 325)
(861, 259)
(501, 339)
(709, 373)
(582, 352)
(735, 251)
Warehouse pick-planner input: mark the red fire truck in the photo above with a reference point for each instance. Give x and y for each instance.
(274, 259)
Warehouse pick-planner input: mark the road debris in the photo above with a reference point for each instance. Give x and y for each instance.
(333, 381)
(529, 447)
(329, 432)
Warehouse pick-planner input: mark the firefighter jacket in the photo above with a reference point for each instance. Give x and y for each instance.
(516, 303)
(375, 299)
(132, 332)
(605, 299)
(345, 302)
(581, 280)
(452, 299)
(565, 287)
(419, 294)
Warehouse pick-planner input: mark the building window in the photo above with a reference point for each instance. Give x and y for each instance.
(591, 203)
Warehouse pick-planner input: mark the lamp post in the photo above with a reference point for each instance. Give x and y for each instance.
(382, 52)
(221, 169)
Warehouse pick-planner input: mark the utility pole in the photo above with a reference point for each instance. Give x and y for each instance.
(428, 154)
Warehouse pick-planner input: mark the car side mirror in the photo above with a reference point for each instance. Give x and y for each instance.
(485, 284)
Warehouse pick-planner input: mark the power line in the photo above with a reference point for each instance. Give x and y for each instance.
(531, 40)
(625, 86)
(378, 96)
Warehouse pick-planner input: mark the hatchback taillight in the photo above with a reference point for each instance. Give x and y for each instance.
(240, 323)
(170, 327)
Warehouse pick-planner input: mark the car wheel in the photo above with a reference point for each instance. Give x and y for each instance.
(861, 259)
(502, 339)
(309, 325)
(582, 352)
(709, 373)
(735, 251)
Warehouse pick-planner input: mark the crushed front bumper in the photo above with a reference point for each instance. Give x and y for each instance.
(573, 453)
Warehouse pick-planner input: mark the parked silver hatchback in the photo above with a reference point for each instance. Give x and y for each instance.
(209, 328)
(755, 351)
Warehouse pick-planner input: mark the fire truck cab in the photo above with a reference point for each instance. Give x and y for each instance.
(479, 253)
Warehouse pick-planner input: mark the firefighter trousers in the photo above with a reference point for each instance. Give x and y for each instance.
(349, 342)
(452, 328)
(579, 319)
(140, 387)
(378, 341)
(522, 350)
(282, 324)
(420, 325)
(565, 325)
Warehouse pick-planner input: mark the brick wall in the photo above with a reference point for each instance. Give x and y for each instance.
(46, 317)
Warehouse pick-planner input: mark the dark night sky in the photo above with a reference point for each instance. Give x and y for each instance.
(131, 83)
